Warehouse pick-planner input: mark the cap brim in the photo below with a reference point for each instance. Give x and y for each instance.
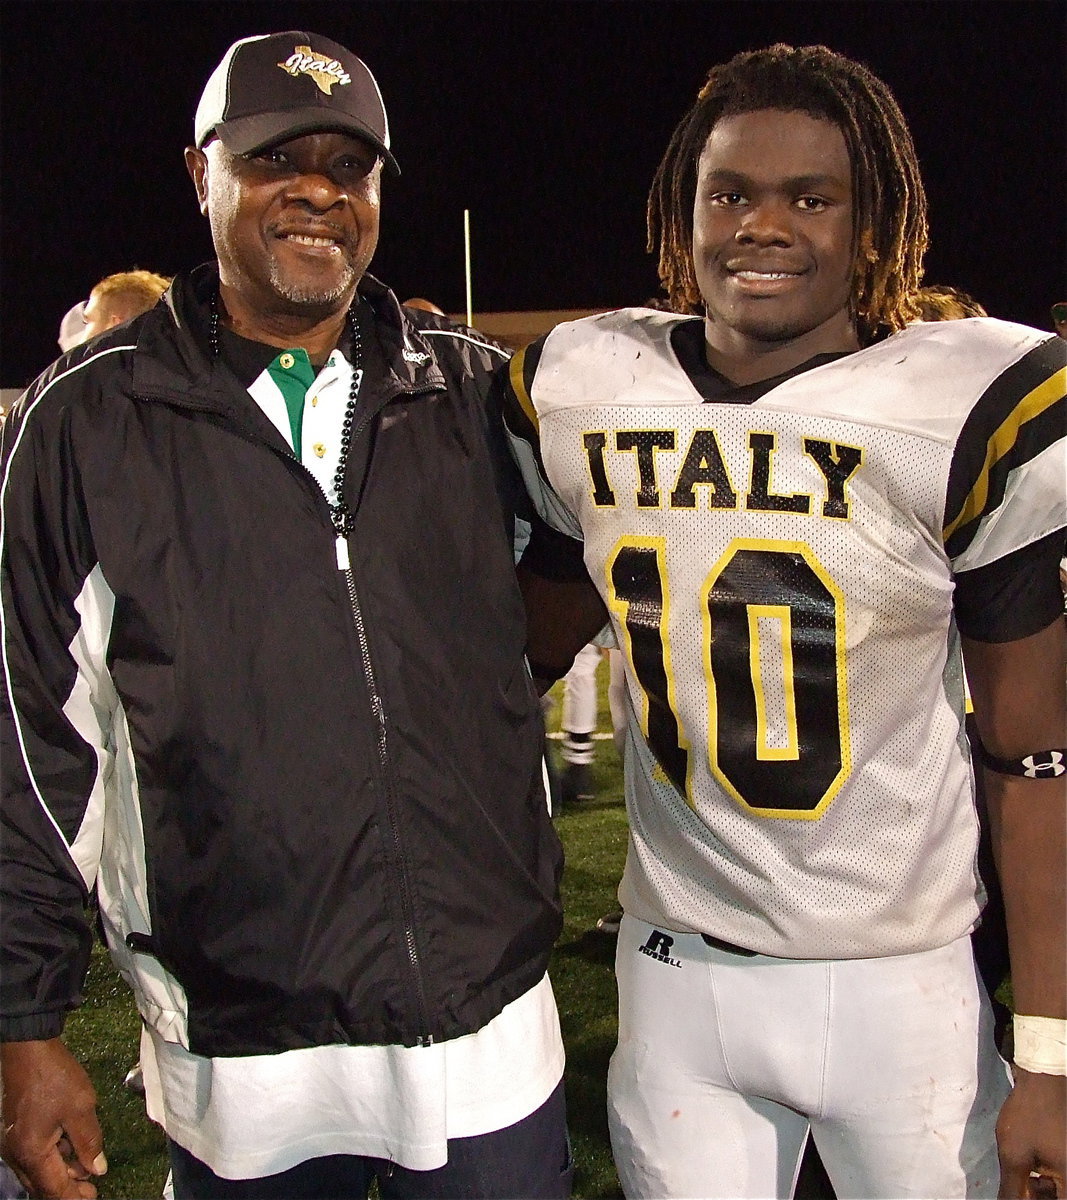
(250, 135)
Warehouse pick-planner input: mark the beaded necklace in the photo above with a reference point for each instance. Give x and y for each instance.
(340, 514)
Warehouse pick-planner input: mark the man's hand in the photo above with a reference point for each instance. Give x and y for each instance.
(50, 1136)
(1032, 1137)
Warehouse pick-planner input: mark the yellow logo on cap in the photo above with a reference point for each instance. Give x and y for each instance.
(325, 72)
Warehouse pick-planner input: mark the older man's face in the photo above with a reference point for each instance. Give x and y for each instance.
(294, 226)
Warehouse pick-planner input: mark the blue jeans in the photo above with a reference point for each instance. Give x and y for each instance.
(529, 1159)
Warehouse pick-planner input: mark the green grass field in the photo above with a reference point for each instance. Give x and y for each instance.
(103, 1033)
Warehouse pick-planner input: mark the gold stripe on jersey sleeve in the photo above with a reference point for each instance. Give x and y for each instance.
(518, 386)
(1030, 406)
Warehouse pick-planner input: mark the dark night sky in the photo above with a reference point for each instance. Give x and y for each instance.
(546, 119)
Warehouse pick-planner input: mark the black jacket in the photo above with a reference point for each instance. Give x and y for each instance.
(313, 795)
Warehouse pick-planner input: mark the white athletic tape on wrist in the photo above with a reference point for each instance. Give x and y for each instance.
(1041, 1044)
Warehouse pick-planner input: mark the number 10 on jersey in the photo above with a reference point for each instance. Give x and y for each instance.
(772, 627)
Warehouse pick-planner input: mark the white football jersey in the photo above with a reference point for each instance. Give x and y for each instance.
(780, 578)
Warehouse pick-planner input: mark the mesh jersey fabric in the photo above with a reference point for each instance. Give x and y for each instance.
(780, 576)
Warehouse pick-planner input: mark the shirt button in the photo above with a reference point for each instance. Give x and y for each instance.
(319, 449)
(314, 401)
(286, 361)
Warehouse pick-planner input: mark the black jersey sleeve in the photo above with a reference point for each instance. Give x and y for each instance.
(1014, 597)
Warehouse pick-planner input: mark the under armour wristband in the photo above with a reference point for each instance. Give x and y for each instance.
(1041, 1044)
(1042, 764)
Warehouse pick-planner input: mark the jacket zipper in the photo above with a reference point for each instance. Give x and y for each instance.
(378, 709)
(424, 1038)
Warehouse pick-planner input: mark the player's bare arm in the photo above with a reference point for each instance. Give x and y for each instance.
(1018, 692)
(562, 616)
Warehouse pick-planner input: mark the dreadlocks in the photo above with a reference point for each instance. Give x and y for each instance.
(889, 225)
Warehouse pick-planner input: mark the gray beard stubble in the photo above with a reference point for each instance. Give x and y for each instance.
(311, 295)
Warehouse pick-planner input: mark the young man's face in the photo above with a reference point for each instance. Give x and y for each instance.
(773, 237)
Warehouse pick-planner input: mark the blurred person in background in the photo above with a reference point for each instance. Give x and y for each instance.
(113, 301)
(940, 302)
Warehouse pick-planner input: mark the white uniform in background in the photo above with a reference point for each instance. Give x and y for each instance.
(579, 709)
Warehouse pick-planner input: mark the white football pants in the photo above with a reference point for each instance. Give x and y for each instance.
(725, 1062)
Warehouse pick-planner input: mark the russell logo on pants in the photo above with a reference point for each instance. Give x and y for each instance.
(658, 947)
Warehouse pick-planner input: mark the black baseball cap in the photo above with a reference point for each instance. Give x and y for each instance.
(281, 85)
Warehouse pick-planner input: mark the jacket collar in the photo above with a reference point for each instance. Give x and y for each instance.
(410, 360)
(173, 360)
